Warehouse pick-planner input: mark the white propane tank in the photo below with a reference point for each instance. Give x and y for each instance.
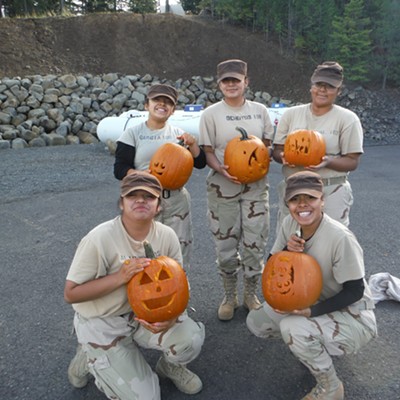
(111, 128)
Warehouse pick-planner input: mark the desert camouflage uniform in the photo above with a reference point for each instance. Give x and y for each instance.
(176, 213)
(242, 215)
(104, 326)
(314, 340)
(119, 368)
(238, 214)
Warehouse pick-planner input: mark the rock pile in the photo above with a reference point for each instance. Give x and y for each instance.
(57, 110)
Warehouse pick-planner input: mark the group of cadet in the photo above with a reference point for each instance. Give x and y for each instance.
(313, 217)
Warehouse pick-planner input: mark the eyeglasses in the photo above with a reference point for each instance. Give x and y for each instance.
(325, 86)
(228, 81)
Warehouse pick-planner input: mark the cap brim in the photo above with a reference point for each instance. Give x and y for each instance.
(314, 193)
(231, 75)
(145, 188)
(333, 82)
(153, 96)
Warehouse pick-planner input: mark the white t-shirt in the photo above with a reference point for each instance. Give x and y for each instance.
(147, 141)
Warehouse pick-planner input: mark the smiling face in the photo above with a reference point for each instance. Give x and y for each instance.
(233, 90)
(307, 211)
(160, 108)
(323, 95)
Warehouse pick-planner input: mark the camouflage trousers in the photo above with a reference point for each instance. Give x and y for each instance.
(176, 213)
(338, 199)
(237, 223)
(314, 340)
(120, 369)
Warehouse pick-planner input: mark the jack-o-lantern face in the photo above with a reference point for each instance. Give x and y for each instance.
(172, 164)
(282, 275)
(304, 147)
(160, 292)
(247, 157)
(158, 168)
(291, 281)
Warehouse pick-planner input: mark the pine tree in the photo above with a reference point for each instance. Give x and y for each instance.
(351, 42)
(386, 56)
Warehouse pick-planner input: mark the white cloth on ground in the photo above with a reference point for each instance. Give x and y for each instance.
(384, 286)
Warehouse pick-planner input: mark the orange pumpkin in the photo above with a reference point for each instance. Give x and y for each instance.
(291, 281)
(247, 157)
(161, 291)
(172, 164)
(304, 147)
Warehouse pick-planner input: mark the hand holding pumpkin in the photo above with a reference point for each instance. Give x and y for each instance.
(188, 139)
(323, 164)
(131, 267)
(225, 173)
(306, 312)
(284, 162)
(295, 243)
(157, 327)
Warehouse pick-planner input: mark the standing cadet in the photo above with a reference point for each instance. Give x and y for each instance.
(343, 134)
(137, 145)
(238, 213)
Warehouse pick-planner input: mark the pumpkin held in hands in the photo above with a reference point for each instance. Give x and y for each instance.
(304, 148)
(291, 281)
(161, 291)
(172, 164)
(247, 157)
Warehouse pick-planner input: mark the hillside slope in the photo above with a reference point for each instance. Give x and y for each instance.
(165, 45)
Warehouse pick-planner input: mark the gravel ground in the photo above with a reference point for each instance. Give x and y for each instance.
(51, 197)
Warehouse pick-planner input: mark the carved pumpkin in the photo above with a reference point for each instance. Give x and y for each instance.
(172, 164)
(304, 147)
(161, 291)
(291, 281)
(247, 157)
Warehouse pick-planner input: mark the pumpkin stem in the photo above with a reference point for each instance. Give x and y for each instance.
(244, 134)
(148, 250)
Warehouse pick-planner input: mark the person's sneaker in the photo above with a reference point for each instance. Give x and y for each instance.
(78, 370)
(185, 380)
